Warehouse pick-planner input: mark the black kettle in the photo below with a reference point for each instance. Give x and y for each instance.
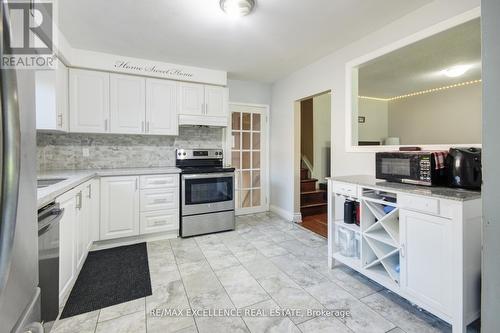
(464, 168)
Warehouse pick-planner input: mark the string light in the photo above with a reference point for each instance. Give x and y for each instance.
(418, 93)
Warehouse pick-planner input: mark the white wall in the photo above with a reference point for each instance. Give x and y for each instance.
(375, 127)
(249, 92)
(451, 116)
(322, 136)
(329, 73)
(490, 304)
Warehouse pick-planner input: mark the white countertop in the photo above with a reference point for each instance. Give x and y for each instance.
(73, 178)
(429, 191)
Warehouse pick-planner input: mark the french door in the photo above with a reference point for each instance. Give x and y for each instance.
(248, 139)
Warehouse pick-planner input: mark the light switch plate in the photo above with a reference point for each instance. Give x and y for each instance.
(85, 152)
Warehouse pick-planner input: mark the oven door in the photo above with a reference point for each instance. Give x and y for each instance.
(207, 193)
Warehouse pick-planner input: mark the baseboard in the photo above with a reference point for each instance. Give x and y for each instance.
(297, 217)
(106, 244)
(292, 217)
(281, 212)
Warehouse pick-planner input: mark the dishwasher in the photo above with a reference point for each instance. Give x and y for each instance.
(48, 260)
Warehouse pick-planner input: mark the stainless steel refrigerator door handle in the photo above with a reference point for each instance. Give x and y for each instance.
(10, 153)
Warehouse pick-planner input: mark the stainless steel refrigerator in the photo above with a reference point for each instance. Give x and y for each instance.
(19, 292)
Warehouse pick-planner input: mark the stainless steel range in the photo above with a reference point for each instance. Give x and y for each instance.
(207, 192)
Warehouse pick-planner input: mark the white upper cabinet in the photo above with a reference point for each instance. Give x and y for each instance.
(192, 99)
(128, 104)
(203, 105)
(89, 101)
(51, 91)
(162, 107)
(216, 101)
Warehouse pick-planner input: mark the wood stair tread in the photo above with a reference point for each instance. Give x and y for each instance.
(314, 205)
(312, 192)
(310, 180)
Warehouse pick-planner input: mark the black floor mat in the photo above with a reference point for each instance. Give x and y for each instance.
(109, 277)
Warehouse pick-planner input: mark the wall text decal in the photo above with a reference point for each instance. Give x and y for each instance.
(169, 72)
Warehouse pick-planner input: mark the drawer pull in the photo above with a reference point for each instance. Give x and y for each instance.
(158, 201)
(161, 222)
(159, 182)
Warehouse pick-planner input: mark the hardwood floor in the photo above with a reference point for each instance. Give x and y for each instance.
(316, 223)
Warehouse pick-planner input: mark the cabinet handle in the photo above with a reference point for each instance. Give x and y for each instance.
(79, 200)
(90, 191)
(147, 126)
(403, 250)
(136, 186)
(158, 201)
(142, 127)
(202, 108)
(206, 108)
(60, 120)
(106, 125)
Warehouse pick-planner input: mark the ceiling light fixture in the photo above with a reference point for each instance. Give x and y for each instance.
(237, 8)
(456, 71)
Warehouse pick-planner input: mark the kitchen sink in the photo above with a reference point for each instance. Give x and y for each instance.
(41, 183)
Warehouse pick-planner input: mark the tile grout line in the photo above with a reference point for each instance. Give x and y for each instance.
(222, 285)
(296, 325)
(182, 281)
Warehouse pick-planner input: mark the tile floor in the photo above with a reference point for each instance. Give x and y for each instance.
(266, 264)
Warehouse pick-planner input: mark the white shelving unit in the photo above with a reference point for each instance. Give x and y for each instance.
(380, 226)
(405, 234)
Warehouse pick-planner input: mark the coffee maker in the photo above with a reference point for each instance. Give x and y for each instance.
(464, 168)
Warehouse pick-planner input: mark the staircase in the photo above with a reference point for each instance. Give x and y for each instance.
(313, 204)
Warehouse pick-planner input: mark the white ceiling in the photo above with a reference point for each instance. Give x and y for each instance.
(279, 37)
(418, 66)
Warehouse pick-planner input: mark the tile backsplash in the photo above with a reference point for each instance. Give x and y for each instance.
(60, 151)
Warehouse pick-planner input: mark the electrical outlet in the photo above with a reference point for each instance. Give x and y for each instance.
(86, 152)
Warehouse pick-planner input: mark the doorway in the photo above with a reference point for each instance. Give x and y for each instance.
(248, 140)
(315, 161)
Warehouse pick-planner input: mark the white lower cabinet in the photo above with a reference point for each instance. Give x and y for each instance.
(119, 207)
(95, 210)
(82, 226)
(133, 205)
(67, 242)
(427, 245)
(159, 221)
(424, 248)
(159, 199)
(111, 208)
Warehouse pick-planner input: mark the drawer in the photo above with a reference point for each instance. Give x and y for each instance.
(159, 181)
(419, 204)
(159, 199)
(163, 220)
(345, 189)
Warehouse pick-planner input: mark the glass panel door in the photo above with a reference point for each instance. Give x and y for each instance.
(248, 135)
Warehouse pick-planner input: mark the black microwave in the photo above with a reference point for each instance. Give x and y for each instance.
(419, 168)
